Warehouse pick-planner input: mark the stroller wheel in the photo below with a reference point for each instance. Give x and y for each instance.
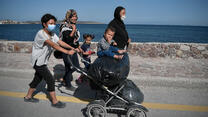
(135, 112)
(96, 110)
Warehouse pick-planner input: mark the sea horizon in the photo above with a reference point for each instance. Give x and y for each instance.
(137, 32)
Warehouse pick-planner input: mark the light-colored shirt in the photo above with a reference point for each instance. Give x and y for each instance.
(41, 52)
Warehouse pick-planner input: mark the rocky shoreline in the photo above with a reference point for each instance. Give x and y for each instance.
(148, 61)
(145, 50)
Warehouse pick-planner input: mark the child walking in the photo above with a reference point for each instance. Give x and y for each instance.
(87, 52)
(44, 43)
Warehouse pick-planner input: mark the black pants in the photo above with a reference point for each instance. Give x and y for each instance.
(42, 72)
(68, 70)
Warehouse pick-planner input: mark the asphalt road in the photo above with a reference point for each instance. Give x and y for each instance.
(178, 98)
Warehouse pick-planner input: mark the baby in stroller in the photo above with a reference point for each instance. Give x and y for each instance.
(108, 74)
(120, 94)
(106, 45)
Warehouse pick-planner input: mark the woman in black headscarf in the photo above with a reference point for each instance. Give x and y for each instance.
(121, 36)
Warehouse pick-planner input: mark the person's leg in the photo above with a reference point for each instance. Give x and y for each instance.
(47, 76)
(50, 81)
(36, 80)
(113, 52)
(87, 63)
(113, 49)
(53, 97)
(68, 73)
(75, 60)
(29, 93)
(68, 76)
(107, 52)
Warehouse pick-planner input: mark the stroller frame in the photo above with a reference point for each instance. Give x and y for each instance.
(132, 109)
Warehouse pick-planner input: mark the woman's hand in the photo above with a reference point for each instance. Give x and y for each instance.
(73, 26)
(73, 30)
(70, 52)
(129, 41)
(80, 50)
(77, 50)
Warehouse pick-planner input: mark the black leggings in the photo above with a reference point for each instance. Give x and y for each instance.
(68, 70)
(42, 72)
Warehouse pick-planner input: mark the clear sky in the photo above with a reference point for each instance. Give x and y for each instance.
(176, 12)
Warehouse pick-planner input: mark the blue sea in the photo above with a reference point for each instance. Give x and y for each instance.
(138, 33)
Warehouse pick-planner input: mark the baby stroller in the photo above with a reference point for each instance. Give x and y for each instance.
(110, 76)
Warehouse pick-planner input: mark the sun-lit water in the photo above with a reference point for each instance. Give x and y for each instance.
(138, 33)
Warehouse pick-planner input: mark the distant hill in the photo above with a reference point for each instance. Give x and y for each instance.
(88, 22)
(38, 22)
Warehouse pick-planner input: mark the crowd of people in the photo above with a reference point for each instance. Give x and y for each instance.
(114, 42)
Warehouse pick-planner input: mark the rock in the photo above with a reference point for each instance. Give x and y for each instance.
(201, 48)
(185, 47)
(2, 47)
(205, 52)
(179, 53)
(195, 50)
(177, 46)
(10, 47)
(205, 56)
(146, 50)
(206, 47)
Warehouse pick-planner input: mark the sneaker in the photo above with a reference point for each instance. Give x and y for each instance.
(33, 100)
(71, 88)
(59, 104)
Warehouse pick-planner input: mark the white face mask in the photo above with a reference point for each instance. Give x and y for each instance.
(123, 17)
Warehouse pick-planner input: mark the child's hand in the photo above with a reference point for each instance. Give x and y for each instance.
(118, 56)
(121, 51)
(114, 43)
(91, 52)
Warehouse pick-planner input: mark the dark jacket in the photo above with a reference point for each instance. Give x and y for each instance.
(65, 31)
(121, 36)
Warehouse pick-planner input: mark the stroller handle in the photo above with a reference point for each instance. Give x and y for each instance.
(82, 59)
(76, 68)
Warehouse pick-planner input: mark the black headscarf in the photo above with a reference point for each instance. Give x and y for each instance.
(118, 17)
(117, 12)
(121, 36)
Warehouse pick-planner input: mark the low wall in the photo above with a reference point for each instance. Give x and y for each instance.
(171, 50)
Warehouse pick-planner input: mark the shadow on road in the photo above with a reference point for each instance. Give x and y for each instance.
(83, 91)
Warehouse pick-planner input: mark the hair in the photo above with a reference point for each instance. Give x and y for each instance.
(110, 28)
(85, 36)
(69, 14)
(45, 18)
